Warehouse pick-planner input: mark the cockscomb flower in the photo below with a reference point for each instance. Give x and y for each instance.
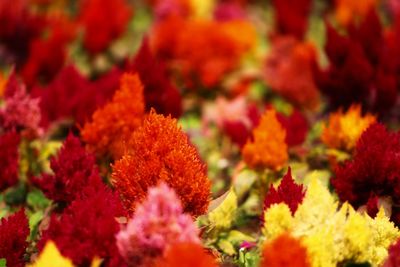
(268, 148)
(343, 129)
(20, 110)
(87, 227)
(14, 231)
(160, 151)
(50, 256)
(373, 171)
(73, 170)
(287, 192)
(9, 144)
(158, 222)
(112, 125)
(284, 250)
(206, 50)
(186, 254)
(393, 259)
(347, 10)
(92, 14)
(296, 126)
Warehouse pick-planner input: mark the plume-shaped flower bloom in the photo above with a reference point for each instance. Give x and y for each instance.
(296, 126)
(287, 192)
(73, 170)
(157, 223)
(9, 143)
(373, 171)
(268, 148)
(113, 124)
(347, 10)
(284, 250)
(87, 227)
(160, 151)
(393, 259)
(14, 231)
(50, 256)
(343, 130)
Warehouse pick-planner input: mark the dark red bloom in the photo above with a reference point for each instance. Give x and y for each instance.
(393, 259)
(73, 168)
(296, 126)
(292, 16)
(287, 192)
(14, 231)
(373, 171)
(159, 92)
(87, 228)
(9, 143)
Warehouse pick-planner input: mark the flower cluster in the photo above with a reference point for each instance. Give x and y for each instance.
(9, 155)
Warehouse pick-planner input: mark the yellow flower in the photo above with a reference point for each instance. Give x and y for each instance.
(344, 129)
(51, 257)
(277, 220)
(268, 148)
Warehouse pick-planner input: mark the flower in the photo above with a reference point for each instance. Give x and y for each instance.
(284, 250)
(393, 259)
(9, 144)
(160, 151)
(344, 129)
(14, 231)
(186, 255)
(51, 256)
(158, 222)
(347, 10)
(296, 126)
(73, 170)
(113, 124)
(91, 16)
(87, 227)
(268, 148)
(288, 192)
(159, 92)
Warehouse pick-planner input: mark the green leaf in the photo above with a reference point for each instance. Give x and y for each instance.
(222, 216)
(37, 200)
(34, 220)
(15, 195)
(3, 262)
(237, 237)
(226, 247)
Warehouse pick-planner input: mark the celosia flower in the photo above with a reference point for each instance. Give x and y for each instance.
(205, 50)
(113, 124)
(268, 148)
(100, 32)
(347, 10)
(186, 255)
(9, 155)
(296, 127)
(344, 129)
(287, 192)
(159, 92)
(393, 259)
(20, 110)
(73, 170)
(72, 96)
(289, 71)
(50, 256)
(373, 171)
(284, 250)
(157, 223)
(160, 151)
(14, 231)
(292, 17)
(86, 229)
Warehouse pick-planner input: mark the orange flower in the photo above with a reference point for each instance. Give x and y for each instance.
(113, 124)
(284, 251)
(268, 148)
(186, 255)
(206, 49)
(346, 10)
(160, 151)
(344, 129)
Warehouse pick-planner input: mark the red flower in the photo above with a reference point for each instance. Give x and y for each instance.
(9, 143)
(159, 92)
(374, 170)
(393, 259)
(87, 228)
(14, 231)
(287, 192)
(73, 168)
(103, 21)
(296, 126)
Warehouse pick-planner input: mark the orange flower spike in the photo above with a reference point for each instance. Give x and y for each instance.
(113, 124)
(284, 251)
(346, 10)
(268, 148)
(343, 130)
(160, 151)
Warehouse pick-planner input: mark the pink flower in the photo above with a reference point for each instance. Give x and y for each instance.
(157, 223)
